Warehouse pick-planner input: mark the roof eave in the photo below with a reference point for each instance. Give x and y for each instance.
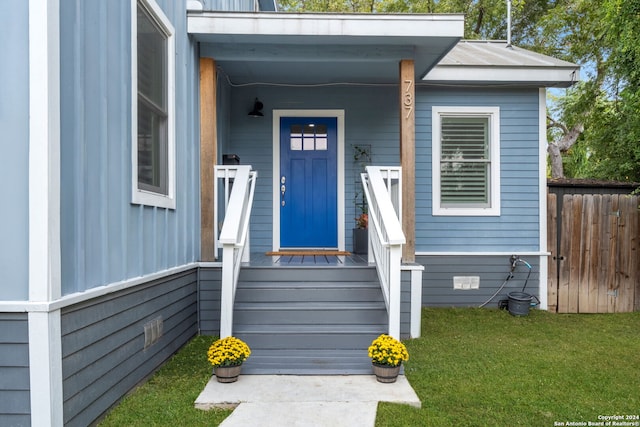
(325, 24)
(526, 76)
(357, 47)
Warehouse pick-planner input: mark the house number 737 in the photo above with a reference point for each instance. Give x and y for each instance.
(408, 97)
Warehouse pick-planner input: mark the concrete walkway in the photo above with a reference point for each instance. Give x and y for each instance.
(304, 401)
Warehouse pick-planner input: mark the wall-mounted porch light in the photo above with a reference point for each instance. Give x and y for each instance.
(257, 109)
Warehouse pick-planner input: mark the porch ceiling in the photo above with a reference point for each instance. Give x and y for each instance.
(284, 48)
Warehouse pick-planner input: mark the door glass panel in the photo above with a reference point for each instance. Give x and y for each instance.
(308, 143)
(321, 137)
(308, 137)
(296, 137)
(321, 143)
(296, 144)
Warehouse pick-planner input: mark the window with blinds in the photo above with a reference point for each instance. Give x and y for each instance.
(465, 161)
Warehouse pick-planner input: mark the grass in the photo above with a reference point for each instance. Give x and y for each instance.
(472, 367)
(167, 398)
(478, 367)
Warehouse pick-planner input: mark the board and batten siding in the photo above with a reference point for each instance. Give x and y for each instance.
(370, 118)
(518, 226)
(103, 342)
(105, 238)
(437, 282)
(229, 5)
(15, 408)
(14, 151)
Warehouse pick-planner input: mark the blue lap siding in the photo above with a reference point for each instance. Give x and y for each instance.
(518, 226)
(437, 282)
(103, 342)
(15, 408)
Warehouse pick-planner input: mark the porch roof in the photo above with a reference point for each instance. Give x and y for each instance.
(496, 62)
(318, 48)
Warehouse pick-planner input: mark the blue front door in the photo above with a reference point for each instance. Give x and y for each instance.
(308, 182)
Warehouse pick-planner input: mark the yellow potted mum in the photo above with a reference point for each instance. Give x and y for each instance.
(387, 355)
(227, 355)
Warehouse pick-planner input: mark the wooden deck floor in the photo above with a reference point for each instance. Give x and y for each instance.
(261, 259)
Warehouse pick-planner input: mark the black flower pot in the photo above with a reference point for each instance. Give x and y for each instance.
(360, 241)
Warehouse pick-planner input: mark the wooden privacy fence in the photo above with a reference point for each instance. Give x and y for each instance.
(594, 241)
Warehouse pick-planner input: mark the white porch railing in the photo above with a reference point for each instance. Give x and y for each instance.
(239, 186)
(383, 190)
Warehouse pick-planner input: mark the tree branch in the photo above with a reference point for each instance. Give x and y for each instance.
(562, 145)
(556, 124)
(479, 20)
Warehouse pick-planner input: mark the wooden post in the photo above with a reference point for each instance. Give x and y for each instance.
(552, 248)
(408, 157)
(208, 148)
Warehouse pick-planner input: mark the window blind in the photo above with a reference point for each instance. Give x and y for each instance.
(464, 161)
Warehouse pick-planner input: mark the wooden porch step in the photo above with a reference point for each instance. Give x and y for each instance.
(308, 362)
(309, 320)
(300, 312)
(310, 273)
(306, 338)
(330, 328)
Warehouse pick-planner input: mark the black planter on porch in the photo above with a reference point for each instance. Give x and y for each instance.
(360, 241)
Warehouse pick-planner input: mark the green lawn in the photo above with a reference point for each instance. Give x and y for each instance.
(167, 398)
(472, 367)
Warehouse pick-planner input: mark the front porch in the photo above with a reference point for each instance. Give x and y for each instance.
(361, 70)
(314, 311)
(321, 92)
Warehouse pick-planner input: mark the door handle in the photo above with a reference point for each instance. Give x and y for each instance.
(283, 189)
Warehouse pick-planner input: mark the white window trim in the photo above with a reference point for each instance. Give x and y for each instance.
(493, 113)
(139, 196)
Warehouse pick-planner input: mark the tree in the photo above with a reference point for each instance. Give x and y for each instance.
(361, 6)
(600, 114)
(561, 145)
(617, 139)
(571, 31)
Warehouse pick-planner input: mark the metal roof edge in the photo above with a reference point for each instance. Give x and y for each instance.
(325, 24)
(475, 65)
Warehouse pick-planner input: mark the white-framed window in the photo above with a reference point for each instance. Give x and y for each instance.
(152, 106)
(466, 161)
